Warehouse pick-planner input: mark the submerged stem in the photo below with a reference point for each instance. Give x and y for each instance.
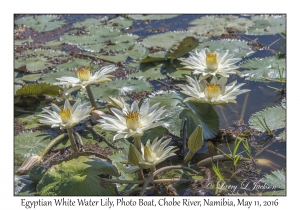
(91, 96)
(72, 140)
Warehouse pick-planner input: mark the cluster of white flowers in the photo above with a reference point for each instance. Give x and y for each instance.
(208, 64)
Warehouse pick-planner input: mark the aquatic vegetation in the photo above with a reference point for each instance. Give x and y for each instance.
(156, 116)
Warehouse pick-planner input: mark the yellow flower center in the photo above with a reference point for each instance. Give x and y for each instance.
(149, 155)
(133, 120)
(84, 73)
(66, 116)
(211, 61)
(212, 90)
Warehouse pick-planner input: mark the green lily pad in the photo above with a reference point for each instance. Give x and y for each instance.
(274, 118)
(172, 103)
(239, 48)
(216, 25)
(201, 114)
(30, 77)
(120, 23)
(158, 56)
(78, 176)
(264, 69)
(76, 63)
(41, 23)
(51, 76)
(24, 186)
(153, 133)
(267, 24)
(281, 136)
(37, 173)
(151, 17)
(41, 89)
(22, 41)
(113, 44)
(30, 143)
(276, 179)
(90, 22)
(31, 120)
(275, 193)
(172, 71)
(196, 114)
(180, 49)
(118, 57)
(33, 64)
(96, 35)
(137, 51)
(49, 53)
(118, 161)
(119, 88)
(168, 39)
(149, 70)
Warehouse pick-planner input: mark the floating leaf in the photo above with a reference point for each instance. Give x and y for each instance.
(274, 118)
(196, 114)
(77, 63)
(31, 120)
(24, 186)
(267, 24)
(201, 114)
(264, 69)
(119, 88)
(120, 23)
(22, 41)
(180, 49)
(96, 35)
(37, 173)
(41, 22)
(51, 76)
(216, 25)
(30, 77)
(151, 17)
(90, 22)
(153, 133)
(276, 179)
(281, 136)
(158, 56)
(113, 44)
(41, 89)
(239, 48)
(169, 39)
(172, 103)
(30, 143)
(33, 64)
(149, 70)
(78, 176)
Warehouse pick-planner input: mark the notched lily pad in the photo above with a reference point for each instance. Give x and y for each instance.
(216, 25)
(169, 39)
(41, 23)
(276, 179)
(30, 143)
(274, 118)
(78, 176)
(119, 88)
(264, 69)
(239, 48)
(267, 24)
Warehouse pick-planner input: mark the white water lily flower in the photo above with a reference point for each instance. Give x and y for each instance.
(67, 117)
(84, 78)
(210, 64)
(132, 121)
(213, 92)
(152, 154)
